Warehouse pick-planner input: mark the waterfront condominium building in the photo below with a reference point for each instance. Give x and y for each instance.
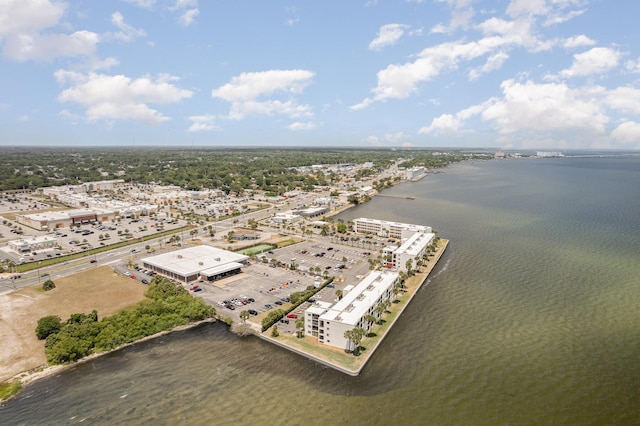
(414, 240)
(328, 322)
(412, 249)
(387, 229)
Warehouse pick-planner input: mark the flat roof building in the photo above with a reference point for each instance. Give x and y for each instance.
(29, 244)
(384, 228)
(193, 263)
(329, 322)
(59, 219)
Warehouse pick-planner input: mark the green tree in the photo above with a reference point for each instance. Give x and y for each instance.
(358, 334)
(244, 316)
(300, 327)
(354, 337)
(339, 294)
(274, 331)
(370, 319)
(353, 199)
(48, 285)
(48, 325)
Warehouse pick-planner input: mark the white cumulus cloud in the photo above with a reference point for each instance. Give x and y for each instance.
(597, 60)
(245, 91)
(118, 97)
(188, 17)
(542, 107)
(577, 41)
(299, 125)
(628, 132)
(145, 4)
(22, 26)
(388, 35)
(202, 123)
(127, 32)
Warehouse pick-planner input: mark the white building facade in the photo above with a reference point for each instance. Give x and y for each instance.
(384, 228)
(329, 322)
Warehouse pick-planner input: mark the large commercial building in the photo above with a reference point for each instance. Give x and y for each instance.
(193, 263)
(64, 219)
(328, 322)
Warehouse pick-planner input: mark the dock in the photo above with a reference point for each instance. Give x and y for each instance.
(405, 197)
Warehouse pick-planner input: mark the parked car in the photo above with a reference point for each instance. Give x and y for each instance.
(144, 281)
(253, 312)
(294, 316)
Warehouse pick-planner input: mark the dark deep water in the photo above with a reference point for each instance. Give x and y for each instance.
(531, 317)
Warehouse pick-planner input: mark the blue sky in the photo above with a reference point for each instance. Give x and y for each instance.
(514, 74)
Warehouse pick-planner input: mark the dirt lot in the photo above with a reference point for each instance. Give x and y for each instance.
(100, 289)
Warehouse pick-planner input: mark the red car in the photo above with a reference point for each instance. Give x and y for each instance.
(92, 261)
(133, 277)
(294, 316)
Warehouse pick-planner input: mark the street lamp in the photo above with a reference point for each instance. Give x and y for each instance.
(39, 262)
(13, 275)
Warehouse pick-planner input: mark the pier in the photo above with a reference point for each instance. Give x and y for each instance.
(406, 197)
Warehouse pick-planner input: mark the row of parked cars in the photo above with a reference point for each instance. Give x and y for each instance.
(234, 302)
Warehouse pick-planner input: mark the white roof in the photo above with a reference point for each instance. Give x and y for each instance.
(415, 243)
(355, 303)
(193, 260)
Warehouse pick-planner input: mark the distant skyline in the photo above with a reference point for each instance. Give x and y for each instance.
(518, 74)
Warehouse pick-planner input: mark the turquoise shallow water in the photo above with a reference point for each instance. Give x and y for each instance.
(531, 317)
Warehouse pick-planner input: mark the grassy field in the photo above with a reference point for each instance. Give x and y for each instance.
(98, 288)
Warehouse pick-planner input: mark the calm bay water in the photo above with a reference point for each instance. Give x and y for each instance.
(531, 317)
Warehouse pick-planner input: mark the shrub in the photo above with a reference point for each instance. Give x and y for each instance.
(48, 325)
(48, 285)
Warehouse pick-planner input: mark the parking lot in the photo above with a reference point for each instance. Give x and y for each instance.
(267, 285)
(88, 236)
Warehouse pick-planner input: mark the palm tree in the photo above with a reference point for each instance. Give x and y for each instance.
(339, 294)
(379, 310)
(244, 316)
(300, 327)
(370, 319)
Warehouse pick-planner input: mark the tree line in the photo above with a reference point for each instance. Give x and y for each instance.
(228, 169)
(166, 306)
